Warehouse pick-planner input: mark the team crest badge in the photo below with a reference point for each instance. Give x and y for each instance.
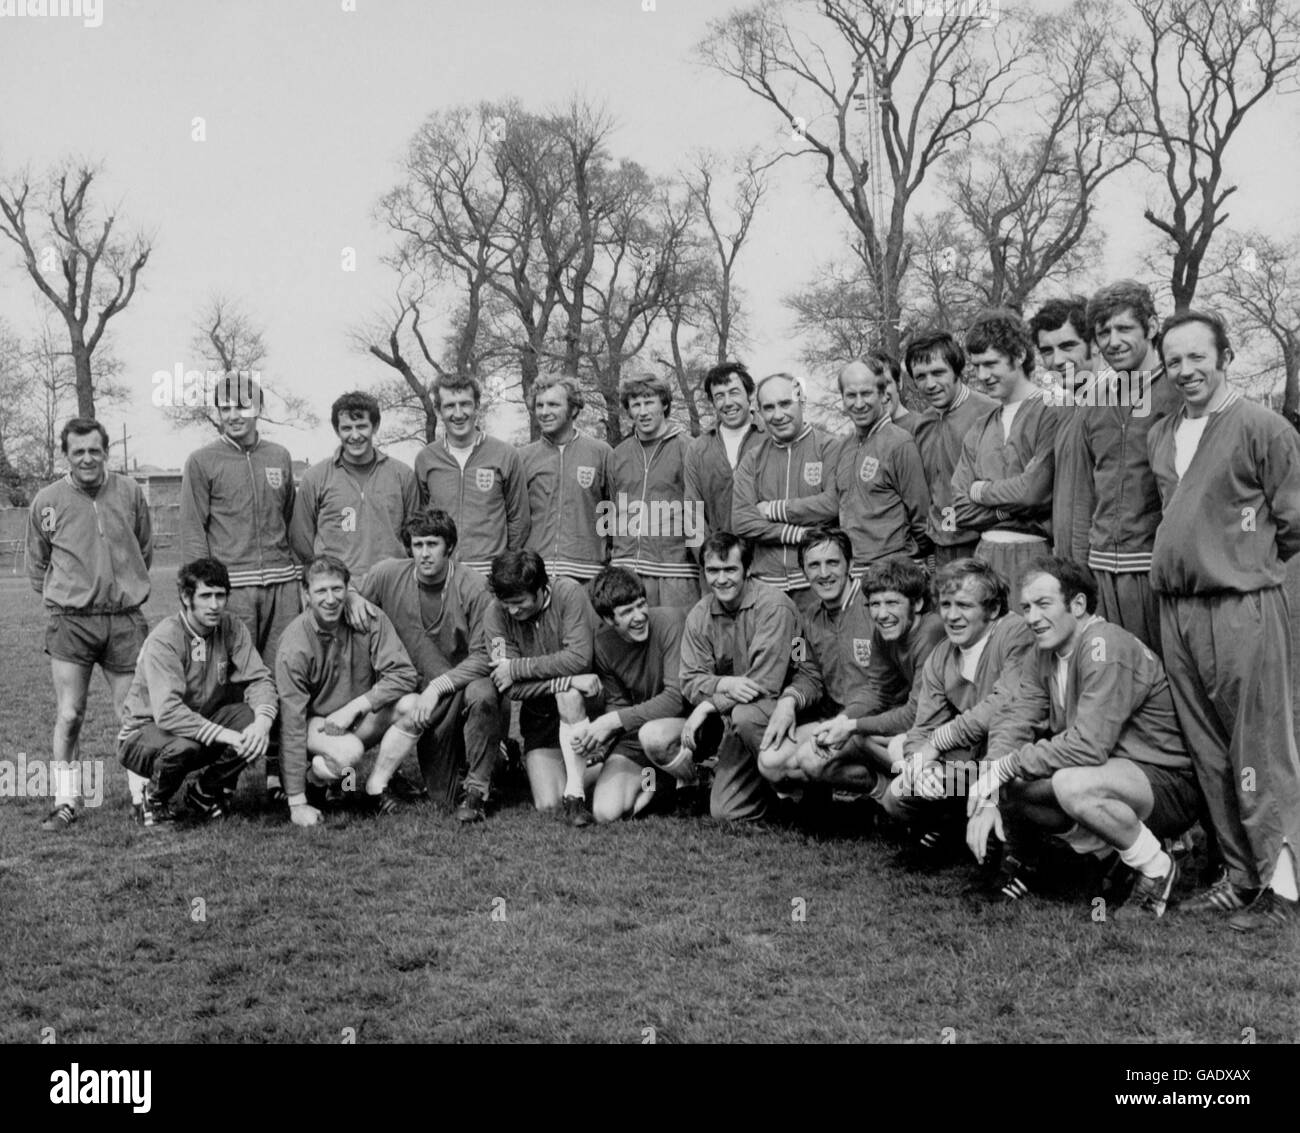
(869, 468)
(586, 475)
(812, 473)
(484, 478)
(862, 650)
(275, 477)
(47, 520)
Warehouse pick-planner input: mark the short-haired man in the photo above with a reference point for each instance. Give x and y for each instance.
(884, 501)
(965, 682)
(713, 457)
(352, 507)
(936, 363)
(1229, 477)
(237, 497)
(569, 476)
(1088, 750)
(1134, 394)
(475, 478)
(185, 712)
(886, 368)
(1064, 342)
(784, 485)
(738, 654)
(89, 549)
(439, 609)
(341, 690)
(1002, 486)
(639, 731)
(540, 633)
(655, 526)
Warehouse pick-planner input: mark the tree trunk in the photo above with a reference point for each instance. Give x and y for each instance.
(85, 382)
(1291, 388)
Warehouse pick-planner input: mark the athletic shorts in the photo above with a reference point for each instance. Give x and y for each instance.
(1177, 799)
(539, 722)
(110, 640)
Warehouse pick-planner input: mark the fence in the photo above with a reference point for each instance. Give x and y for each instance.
(166, 521)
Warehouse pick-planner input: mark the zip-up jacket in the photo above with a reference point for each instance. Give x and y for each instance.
(1019, 470)
(709, 476)
(1127, 508)
(939, 436)
(1117, 706)
(1073, 494)
(451, 653)
(655, 531)
(357, 520)
(884, 498)
(566, 488)
(182, 677)
(488, 498)
(839, 647)
(319, 670)
(888, 700)
(798, 480)
(90, 554)
(954, 713)
(548, 649)
(1233, 520)
(642, 680)
(236, 506)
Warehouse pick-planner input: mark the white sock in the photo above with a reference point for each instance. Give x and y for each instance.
(272, 782)
(324, 770)
(1146, 856)
(137, 784)
(573, 766)
(682, 767)
(880, 787)
(65, 785)
(1284, 880)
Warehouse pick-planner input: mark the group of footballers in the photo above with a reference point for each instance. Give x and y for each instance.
(1044, 617)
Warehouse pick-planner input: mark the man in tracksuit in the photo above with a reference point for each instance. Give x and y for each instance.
(476, 479)
(1064, 342)
(353, 506)
(712, 457)
(539, 632)
(784, 485)
(341, 690)
(655, 527)
(201, 700)
(1229, 477)
(237, 497)
(738, 654)
(1089, 749)
(886, 368)
(1122, 317)
(638, 731)
(89, 549)
(568, 475)
(439, 609)
(1002, 485)
(884, 501)
(936, 362)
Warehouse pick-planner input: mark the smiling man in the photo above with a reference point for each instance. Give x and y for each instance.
(1229, 478)
(936, 363)
(712, 457)
(201, 700)
(89, 549)
(784, 485)
(890, 373)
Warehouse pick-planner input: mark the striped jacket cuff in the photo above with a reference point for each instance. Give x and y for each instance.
(266, 710)
(442, 685)
(560, 684)
(944, 738)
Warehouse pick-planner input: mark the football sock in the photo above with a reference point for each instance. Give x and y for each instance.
(393, 748)
(880, 788)
(1146, 856)
(137, 784)
(273, 782)
(682, 767)
(573, 765)
(325, 770)
(66, 784)
(1284, 880)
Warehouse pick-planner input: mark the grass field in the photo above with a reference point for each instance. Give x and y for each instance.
(667, 929)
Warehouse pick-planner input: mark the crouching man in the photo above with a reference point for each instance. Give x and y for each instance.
(341, 691)
(183, 711)
(637, 659)
(1089, 750)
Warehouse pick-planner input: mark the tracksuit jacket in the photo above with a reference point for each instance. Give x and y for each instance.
(938, 439)
(552, 646)
(236, 507)
(90, 554)
(1117, 705)
(884, 498)
(799, 479)
(839, 646)
(566, 487)
(359, 521)
(653, 476)
(887, 705)
(318, 670)
(451, 653)
(954, 713)
(709, 475)
(182, 677)
(1127, 508)
(488, 498)
(1234, 519)
(1073, 494)
(642, 681)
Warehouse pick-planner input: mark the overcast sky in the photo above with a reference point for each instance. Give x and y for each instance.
(307, 109)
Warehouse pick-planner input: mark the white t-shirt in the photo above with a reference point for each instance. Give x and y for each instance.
(1008, 416)
(1187, 438)
(462, 455)
(732, 440)
(969, 658)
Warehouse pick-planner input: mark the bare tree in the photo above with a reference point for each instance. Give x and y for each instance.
(81, 248)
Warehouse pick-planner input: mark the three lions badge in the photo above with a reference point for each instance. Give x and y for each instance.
(812, 473)
(862, 650)
(484, 478)
(586, 476)
(869, 468)
(275, 477)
